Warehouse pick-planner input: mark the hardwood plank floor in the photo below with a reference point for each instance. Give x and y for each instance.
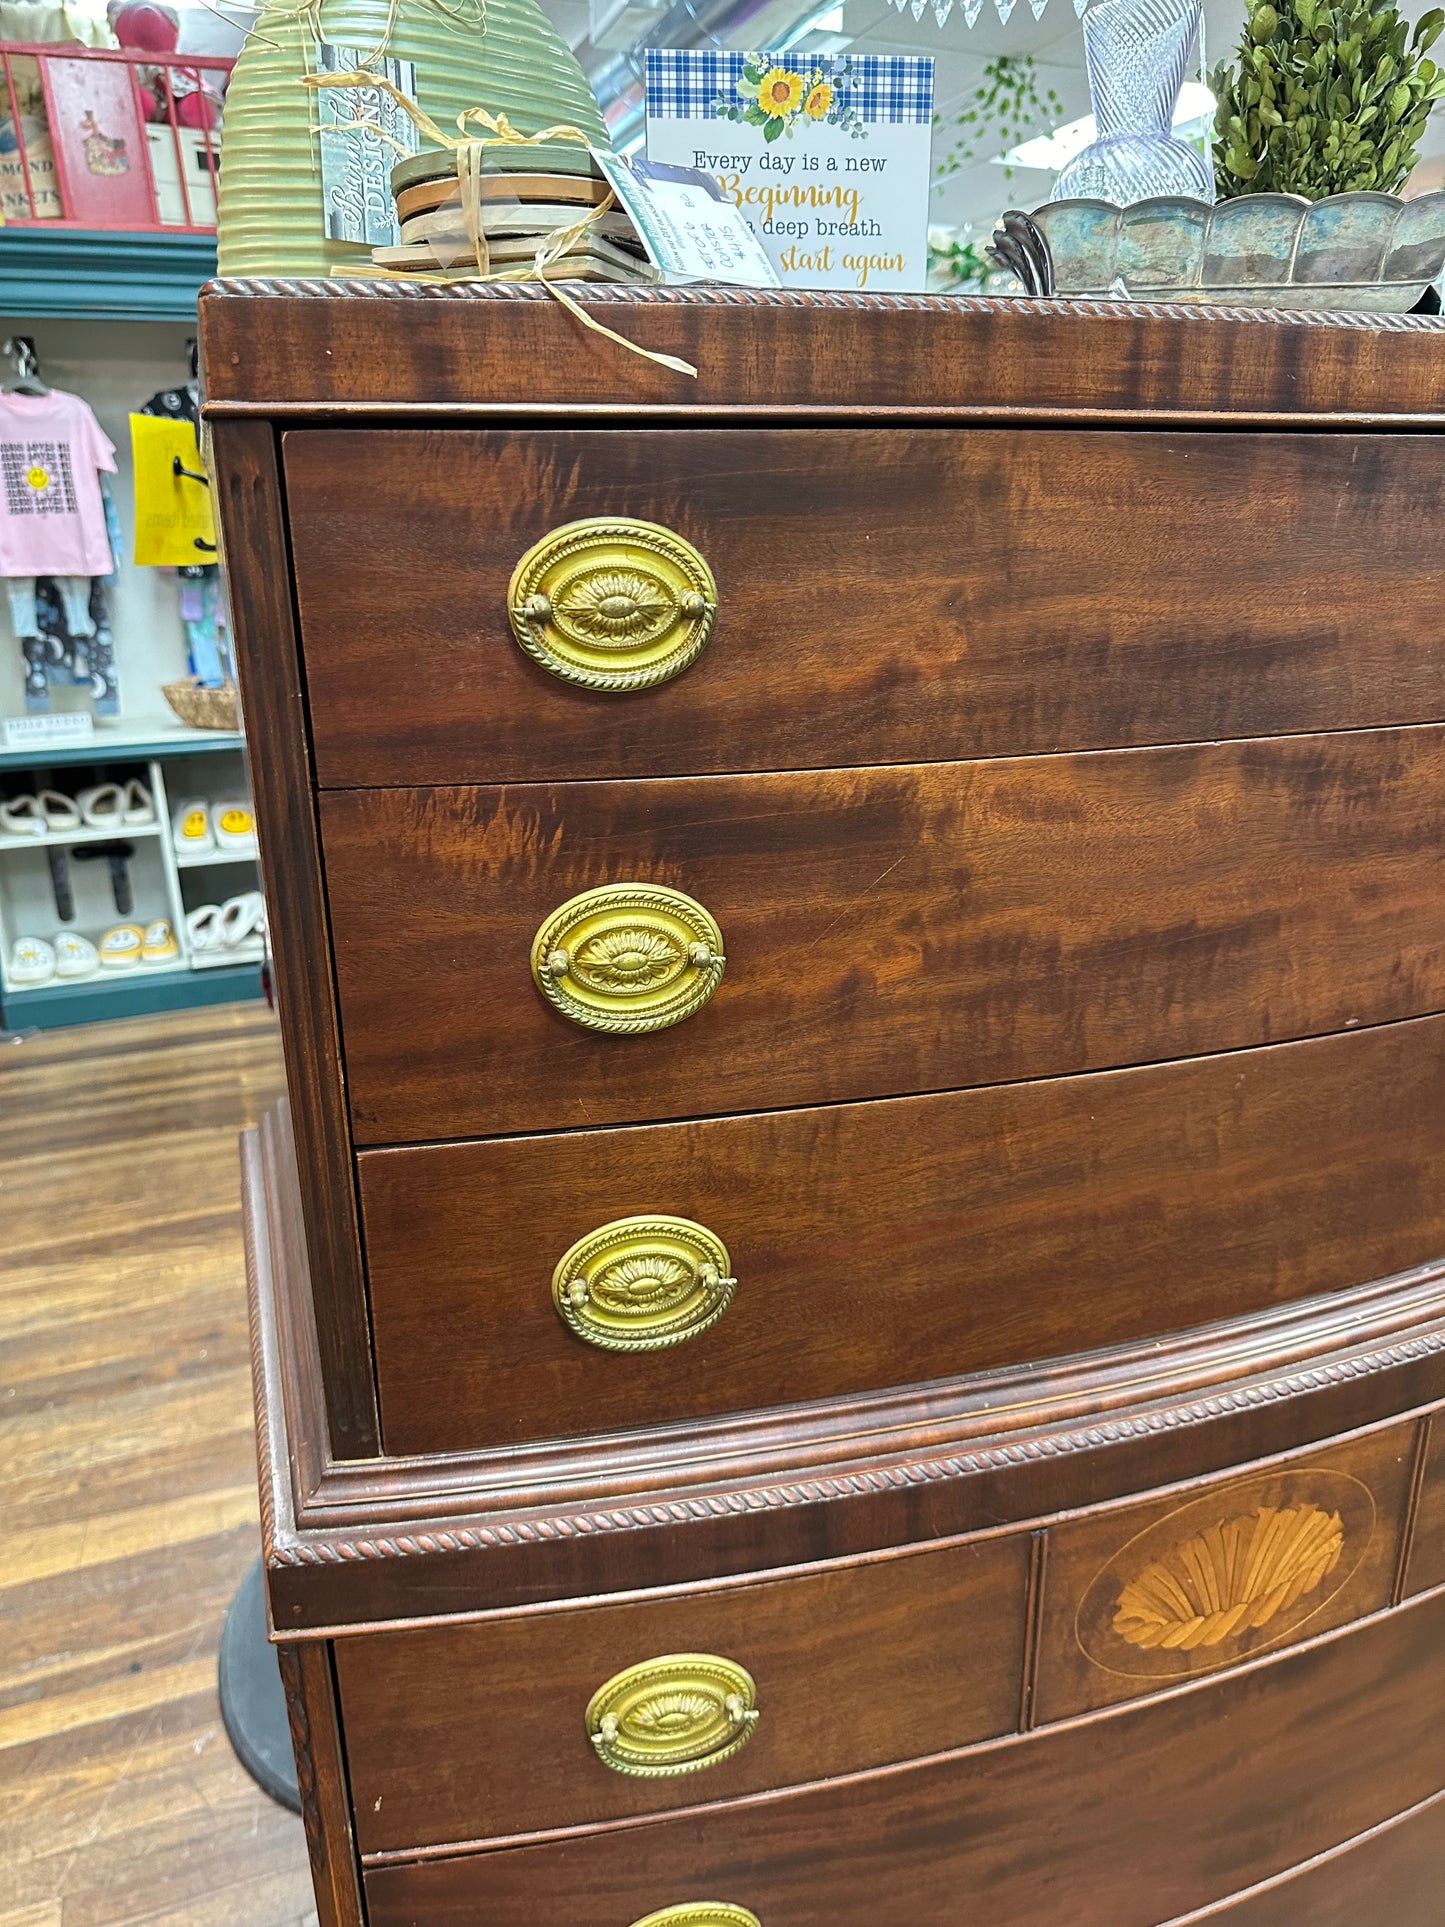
(127, 1479)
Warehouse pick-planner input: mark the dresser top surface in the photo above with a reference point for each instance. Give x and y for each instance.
(337, 348)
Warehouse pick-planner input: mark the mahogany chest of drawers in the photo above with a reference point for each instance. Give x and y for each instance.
(850, 1300)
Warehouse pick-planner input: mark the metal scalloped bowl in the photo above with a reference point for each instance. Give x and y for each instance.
(1355, 253)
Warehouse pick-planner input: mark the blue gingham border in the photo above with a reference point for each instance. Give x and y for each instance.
(683, 83)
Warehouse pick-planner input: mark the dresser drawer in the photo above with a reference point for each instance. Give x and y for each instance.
(883, 596)
(886, 931)
(479, 1731)
(1135, 1819)
(885, 1243)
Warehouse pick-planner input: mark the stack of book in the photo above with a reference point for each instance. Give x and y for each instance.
(529, 195)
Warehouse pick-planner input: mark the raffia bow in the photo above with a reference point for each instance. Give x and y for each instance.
(468, 149)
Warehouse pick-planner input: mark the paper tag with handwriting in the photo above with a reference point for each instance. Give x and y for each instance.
(691, 230)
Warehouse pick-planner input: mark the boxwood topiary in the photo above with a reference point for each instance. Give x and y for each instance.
(1324, 99)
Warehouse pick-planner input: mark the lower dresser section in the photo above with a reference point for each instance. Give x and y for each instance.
(482, 1730)
(1175, 1810)
(1159, 1643)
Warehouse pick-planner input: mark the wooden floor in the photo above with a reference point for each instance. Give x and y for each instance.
(127, 1479)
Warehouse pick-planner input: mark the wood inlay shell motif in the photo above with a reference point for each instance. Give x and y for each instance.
(1226, 1575)
(1230, 1578)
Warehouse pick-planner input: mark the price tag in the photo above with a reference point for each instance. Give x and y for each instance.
(49, 732)
(689, 227)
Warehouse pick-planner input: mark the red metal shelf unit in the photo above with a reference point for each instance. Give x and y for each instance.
(93, 156)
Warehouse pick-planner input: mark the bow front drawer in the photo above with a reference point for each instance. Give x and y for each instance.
(557, 604)
(539, 958)
(575, 1717)
(1163, 1813)
(532, 1288)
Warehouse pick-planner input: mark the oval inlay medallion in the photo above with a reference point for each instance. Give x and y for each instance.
(1227, 1575)
(1230, 1578)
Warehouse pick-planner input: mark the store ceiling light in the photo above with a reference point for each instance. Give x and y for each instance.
(1051, 151)
(828, 21)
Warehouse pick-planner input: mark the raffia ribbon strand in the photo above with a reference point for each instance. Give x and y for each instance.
(468, 150)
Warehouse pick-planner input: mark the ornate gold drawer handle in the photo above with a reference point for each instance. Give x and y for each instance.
(628, 957)
(642, 1284)
(700, 1913)
(676, 1714)
(612, 604)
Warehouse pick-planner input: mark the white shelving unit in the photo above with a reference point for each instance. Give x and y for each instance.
(28, 905)
(217, 860)
(75, 839)
(163, 883)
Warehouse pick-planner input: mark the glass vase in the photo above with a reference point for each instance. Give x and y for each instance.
(1138, 52)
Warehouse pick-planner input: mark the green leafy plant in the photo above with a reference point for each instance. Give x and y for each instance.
(957, 266)
(1007, 107)
(1324, 99)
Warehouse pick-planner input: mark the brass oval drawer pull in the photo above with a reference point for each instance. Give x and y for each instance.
(612, 603)
(700, 1913)
(642, 1284)
(628, 957)
(676, 1714)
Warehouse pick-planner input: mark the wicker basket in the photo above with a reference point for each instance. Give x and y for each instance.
(204, 708)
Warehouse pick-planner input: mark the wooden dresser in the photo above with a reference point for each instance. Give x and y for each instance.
(850, 1300)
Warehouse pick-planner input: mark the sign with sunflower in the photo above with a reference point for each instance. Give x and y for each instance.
(826, 156)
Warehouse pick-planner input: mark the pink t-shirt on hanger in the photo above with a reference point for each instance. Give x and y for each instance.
(52, 516)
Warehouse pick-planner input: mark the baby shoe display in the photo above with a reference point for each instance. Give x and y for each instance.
(120, 947)
(32, 961)
(158, 945)
(203, 927)
(103, 807)
(22, 816)
(40, 815)
(243, 919)
(234, 827)
(140, 805)
(191, 827)
(75, 956)
(233, 925)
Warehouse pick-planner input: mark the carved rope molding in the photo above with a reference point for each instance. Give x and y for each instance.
(604, 294)
(289, 1664)
(265, 1459)
(315, 1550)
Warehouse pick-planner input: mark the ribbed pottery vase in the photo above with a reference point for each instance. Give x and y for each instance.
(270, 217)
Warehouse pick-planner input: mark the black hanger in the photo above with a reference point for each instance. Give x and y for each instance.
(178, 467)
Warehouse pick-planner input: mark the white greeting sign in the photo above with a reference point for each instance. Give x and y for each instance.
(827, 156)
